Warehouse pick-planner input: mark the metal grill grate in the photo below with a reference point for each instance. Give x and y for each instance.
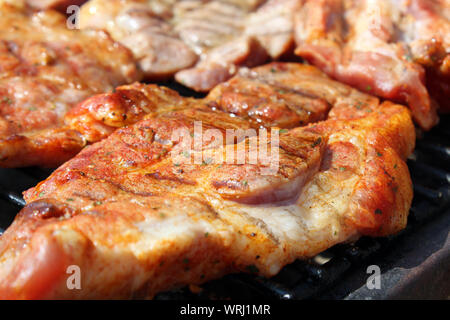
(430, 170)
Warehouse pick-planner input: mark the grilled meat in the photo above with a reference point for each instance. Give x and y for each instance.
(60, 5)
(45, 70)
(230, 37)
(215, 30)
(140, 203)
(144, 27)
(283, 95)
(381, 47)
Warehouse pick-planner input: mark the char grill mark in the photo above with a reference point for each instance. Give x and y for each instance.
(129, 203)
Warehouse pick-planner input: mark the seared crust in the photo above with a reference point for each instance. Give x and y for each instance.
(128, 201)
(283, 95)
(60, 5)
(144, 27)
(45, 70)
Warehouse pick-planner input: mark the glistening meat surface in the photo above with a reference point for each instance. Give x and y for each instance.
(393, 49)
(138, 204)
(283, 95)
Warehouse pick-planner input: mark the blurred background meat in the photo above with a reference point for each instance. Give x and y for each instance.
(45, 70)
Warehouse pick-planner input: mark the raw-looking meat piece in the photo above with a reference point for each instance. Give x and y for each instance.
(45, 70)
(215, 30)
(387, 48)
(200, 42)
(273, 25)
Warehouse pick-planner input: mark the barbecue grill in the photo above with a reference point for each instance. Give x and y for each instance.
(414, 263)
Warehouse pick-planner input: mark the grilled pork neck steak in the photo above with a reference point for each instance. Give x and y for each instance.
(201, 43)
(383, 48)
(138, 215)
(45, 70)
(144, 27)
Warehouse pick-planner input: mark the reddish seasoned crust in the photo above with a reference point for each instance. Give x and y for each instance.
(135, 202)
(99, 116)
(123, 202)
(46, 69)
(46, 147)
(381, 47)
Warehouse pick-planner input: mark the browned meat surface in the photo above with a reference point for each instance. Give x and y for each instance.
(273, 25)
(144, 210)
(45, 70)
(382, 47)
